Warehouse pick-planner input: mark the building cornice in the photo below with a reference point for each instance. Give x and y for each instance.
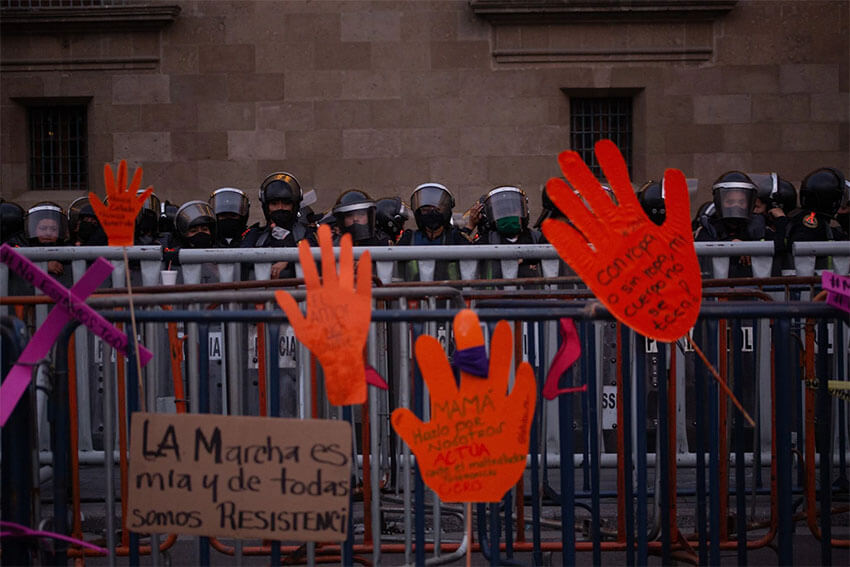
(89, 19)
(568, 11)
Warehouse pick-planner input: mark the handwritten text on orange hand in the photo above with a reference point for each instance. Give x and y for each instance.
(646, 275)
(118, 218)
(338, 316)
(475, 446)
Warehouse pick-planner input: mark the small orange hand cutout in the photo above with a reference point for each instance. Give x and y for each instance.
(475, 446)
(338, 316)
(646, 275)
(118, 218)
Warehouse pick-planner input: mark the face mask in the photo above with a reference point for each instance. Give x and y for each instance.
(146, 225)
(508, 226)
(200, 240)
(86, 230)
(282, 218)
(431, 220)
(230, 228)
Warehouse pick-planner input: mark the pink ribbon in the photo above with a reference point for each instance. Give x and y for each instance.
(373, 378)
(565, 357)
(17, 530)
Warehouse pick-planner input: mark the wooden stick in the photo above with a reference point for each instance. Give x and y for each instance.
(469, 534)
(720, 381)
(135, 333)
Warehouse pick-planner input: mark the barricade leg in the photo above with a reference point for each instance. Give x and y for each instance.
(784, 488)
(18, 442)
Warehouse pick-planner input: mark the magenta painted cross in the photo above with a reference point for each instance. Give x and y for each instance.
(69, 306)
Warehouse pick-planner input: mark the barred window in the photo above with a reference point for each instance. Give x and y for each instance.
(593, 119)
(58, 147)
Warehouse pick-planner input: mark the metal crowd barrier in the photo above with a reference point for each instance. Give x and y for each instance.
(773, 352)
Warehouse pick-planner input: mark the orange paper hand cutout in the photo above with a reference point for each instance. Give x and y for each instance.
(118, 218)
(646, 275)
(338, 316)
(475, 446)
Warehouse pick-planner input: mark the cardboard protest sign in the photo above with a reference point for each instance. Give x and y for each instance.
(338, 316)
(647, 275)
(475, 446)
(242, 477)
(838, 290)
(69, 305)
(118, 218)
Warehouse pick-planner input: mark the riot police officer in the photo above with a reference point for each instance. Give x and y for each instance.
(147, 221)
(280, 197)
(390, 215)
(432, 205)
(46, 225)
(506, 211)
(355, 215)
(734, 195)
(651, 198)
(821, 194)
(231, 207)
(84, 225)
(11, 222)
(195, 225)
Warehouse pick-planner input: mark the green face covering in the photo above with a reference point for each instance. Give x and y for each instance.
(508, 226)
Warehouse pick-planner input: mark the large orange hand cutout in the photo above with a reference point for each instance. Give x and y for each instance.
(118, 218)
(338, 316)
(646, 275)
(475, 446)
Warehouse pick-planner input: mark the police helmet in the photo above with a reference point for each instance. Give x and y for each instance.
(194, 213)
(390, 215)
(651, 198)
(734, 195)
(822, 191)
(11, 220)
(230, 200)
(46, 220)
(432, 195)
(147, 221)
(504, 203)
(774, 191)
(359, 209)
(280, 186)
(76, 208)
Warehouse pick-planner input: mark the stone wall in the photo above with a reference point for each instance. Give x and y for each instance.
(386, 95)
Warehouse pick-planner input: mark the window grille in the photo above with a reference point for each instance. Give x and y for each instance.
(592, 119)
(58, 147)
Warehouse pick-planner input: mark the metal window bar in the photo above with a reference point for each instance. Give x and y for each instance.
(592, 119)
(58, 147)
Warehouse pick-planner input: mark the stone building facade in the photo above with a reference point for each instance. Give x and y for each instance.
(385, 95)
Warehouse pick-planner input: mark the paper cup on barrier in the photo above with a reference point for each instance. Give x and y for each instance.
(169, 277)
